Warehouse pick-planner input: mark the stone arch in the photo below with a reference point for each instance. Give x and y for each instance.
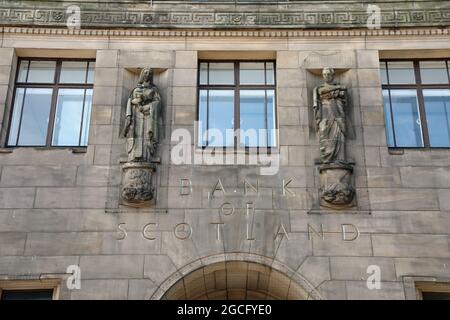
(237, 276)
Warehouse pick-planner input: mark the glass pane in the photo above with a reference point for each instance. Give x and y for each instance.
(401, 72)
(220, 118)
(254, 119)
(270, 70)
(91, 72)
(436, 295)
(36, 110)
(383, 72)
(15, 119)
(23, 71)
(432, 72)
(388, 119)
(272, 137)
(203, 118)
(437, 110)
(66, 131)
(252, 73)
(86, 118)
(407, 126)
(42, 72)
(46, 294)
(204, 73)
(221, 73)
(73, 72)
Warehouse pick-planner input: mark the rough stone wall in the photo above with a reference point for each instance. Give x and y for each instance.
(59, 208)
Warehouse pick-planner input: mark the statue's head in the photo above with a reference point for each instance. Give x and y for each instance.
(146, 75)
(328, 74)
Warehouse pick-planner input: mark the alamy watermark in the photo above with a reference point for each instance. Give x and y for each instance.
(185, 152)
(374, 17)
(74, 280)
(374, 280)
(73, 17)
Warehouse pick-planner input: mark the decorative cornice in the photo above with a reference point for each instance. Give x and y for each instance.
(194, 14)
(221, 34)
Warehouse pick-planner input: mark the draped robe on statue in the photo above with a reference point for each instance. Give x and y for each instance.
(143, 109)
(329, 114)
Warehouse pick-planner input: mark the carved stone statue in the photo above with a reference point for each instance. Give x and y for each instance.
(141, 131)
(330, 102)
(329, 114)
(141, 124)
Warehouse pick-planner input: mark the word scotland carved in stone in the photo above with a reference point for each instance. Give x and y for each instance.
(183, 231)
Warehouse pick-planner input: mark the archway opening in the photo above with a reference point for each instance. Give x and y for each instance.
(235, 280)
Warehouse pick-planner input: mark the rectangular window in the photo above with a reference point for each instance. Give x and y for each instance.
(416, 97)
(38, 294)
(43, 289)
(237, 104)
(52, 103)
(436, 295)
(433, 290)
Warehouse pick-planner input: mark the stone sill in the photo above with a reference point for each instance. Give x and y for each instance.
(125, 210)
(74, 150)
(220, 151)
(396, 151)
(79, 150)
(401, 151)
(340, 211)
(6, 150)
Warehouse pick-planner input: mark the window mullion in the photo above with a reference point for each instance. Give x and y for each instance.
(207, 118)
(28, 71)
(392, 118)
(23, 104)
(21, 114)
(51, 120)
(265, 107)
(446, 122)
(87, 72)
(448, 70)
(237, 107)
(387, 72)
(423, 119)
(266, 118)
(82, 118)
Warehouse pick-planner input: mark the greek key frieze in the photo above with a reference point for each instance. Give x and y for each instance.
(141, 18)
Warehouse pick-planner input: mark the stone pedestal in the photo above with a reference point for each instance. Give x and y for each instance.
(336, 186)
(137, 186)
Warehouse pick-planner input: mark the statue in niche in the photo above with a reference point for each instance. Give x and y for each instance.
(141, 123)
(330, 101)
(141, 130)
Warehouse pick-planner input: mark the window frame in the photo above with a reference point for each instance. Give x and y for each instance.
(54, 86)
(431, 287)
(31, 285)
(237, 87)
(418, 86)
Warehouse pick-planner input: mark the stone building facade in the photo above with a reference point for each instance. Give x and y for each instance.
(225, 230)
